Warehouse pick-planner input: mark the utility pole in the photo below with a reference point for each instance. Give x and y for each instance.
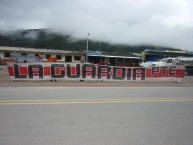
(87, 48)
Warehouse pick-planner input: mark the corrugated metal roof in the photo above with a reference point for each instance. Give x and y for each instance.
(36, 50)
(113, 54)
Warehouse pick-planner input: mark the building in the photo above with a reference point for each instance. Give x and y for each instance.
(9, 54)
(154, 55)
(114, 58)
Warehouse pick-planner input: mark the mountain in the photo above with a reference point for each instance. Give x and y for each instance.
(44, 38)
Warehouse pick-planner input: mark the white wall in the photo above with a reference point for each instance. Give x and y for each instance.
(1, 55)
(31, 54)
(63, 58)
(83, 58)
(17, 53)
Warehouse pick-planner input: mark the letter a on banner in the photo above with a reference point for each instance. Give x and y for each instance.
(88, 68)
(35, 69)
(139, 71)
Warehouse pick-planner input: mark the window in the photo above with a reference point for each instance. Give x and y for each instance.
(6, 54)
(68, 58)
(164, 60)
(23, 54)
(77, 57)
(48, 56)
(119, 59)
(169, 61)
(129, 61)
(58, 57)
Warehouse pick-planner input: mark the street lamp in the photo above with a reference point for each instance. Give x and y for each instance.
(87, 48)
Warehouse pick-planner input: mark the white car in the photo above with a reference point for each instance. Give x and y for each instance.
(146, 64)
(164, 62)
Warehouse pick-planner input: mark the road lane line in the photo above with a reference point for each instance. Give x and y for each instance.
(93, 101)
(120, 99)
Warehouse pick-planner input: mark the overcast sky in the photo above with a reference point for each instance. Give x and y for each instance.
(156, 22)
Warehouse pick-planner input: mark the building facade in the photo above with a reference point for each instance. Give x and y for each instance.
(114, 58)
(9, 54)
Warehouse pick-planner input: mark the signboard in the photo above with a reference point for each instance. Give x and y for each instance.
(86, 71)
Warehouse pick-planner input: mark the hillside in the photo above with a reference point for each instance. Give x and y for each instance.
(43, 38)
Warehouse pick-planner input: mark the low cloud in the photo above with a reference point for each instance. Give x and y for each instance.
(160, 22)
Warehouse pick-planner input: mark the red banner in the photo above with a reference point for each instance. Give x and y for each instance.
(85, 71)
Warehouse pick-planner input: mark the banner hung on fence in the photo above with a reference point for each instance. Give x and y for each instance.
(86, 71)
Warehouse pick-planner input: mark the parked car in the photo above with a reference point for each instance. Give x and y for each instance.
(164, 62)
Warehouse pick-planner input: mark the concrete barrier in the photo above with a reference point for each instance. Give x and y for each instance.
(86, 71)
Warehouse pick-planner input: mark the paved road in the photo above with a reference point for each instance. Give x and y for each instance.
(96, 116)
